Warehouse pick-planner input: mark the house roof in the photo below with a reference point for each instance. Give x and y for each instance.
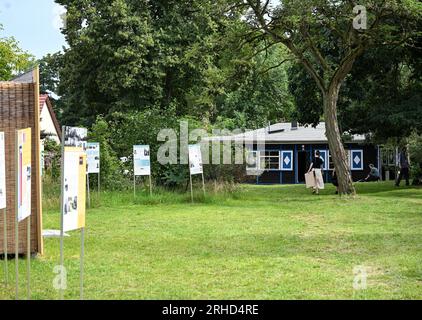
(284, 133)
(45, 102)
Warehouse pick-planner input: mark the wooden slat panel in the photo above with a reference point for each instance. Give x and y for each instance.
(18, 110)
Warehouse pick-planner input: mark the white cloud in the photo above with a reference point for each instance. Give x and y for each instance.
(59, 18)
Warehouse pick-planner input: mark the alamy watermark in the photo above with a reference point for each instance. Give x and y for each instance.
(222, 146)
(60, 280)
(360, 22)
(360, 278)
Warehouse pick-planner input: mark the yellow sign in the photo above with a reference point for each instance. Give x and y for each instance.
(74, 188)
(23, 166)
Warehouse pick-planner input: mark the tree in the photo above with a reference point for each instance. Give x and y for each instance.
(134, 55)
(327, 37)
(127, 55)
(382, 91)
(50, 67)
(13, 60)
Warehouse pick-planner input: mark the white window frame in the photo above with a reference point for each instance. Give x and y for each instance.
(283, 152)
(327, 158)
(262, 158)
(352, 151)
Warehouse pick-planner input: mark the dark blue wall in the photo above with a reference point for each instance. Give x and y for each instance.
(370, 155)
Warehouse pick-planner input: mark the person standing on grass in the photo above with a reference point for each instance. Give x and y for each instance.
(404, 168)
(316, 167)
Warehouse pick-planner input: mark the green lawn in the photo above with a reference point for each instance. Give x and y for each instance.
(260, 242)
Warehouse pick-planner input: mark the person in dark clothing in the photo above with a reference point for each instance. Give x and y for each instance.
(317, 166)
(317, 162)
(404, 168)
(334, 180)
(374, 174)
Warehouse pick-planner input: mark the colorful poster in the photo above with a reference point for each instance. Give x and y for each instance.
(75, 137)
(195, 159)
(74, 188)
(2, 173)
(93, 157)
(141, 160)
(23, 165)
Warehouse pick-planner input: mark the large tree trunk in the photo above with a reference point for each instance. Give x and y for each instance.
(333, 133)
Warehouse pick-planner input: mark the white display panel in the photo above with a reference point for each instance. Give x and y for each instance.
(141, 160)
(2, 173)
(93, 157)
(195, 159)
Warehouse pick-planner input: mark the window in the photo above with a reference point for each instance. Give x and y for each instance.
(356, 160)
(323, 155)
(331, 162)
(270, 160)
(287, 160)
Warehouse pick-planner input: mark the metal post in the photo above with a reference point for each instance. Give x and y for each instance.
(61, 254)
(134, 186)
(82, 255)
(16, 258)
(6, 267)
(17, 219)
(203, 183)
(28, 258)
(61, 221)
(150, 185)
(89, 194)
(99, 184)
(191, 187)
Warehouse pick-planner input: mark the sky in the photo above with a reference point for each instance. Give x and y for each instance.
(35, 24)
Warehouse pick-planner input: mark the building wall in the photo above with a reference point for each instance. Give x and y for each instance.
(47, 125)
(370, 155)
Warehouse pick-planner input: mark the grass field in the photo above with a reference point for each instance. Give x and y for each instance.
(260, 242)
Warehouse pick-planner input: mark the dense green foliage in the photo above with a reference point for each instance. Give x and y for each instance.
(127, 55)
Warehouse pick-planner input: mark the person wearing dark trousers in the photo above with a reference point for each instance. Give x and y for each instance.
(374, 174)
(404, 168)
(334, 180)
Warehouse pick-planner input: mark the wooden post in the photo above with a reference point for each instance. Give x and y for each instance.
(36, 77)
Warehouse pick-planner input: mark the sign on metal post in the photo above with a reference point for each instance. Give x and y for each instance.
(93, 161)
(141, 165)
(195, 166)
(74, 179)
(23, 200)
